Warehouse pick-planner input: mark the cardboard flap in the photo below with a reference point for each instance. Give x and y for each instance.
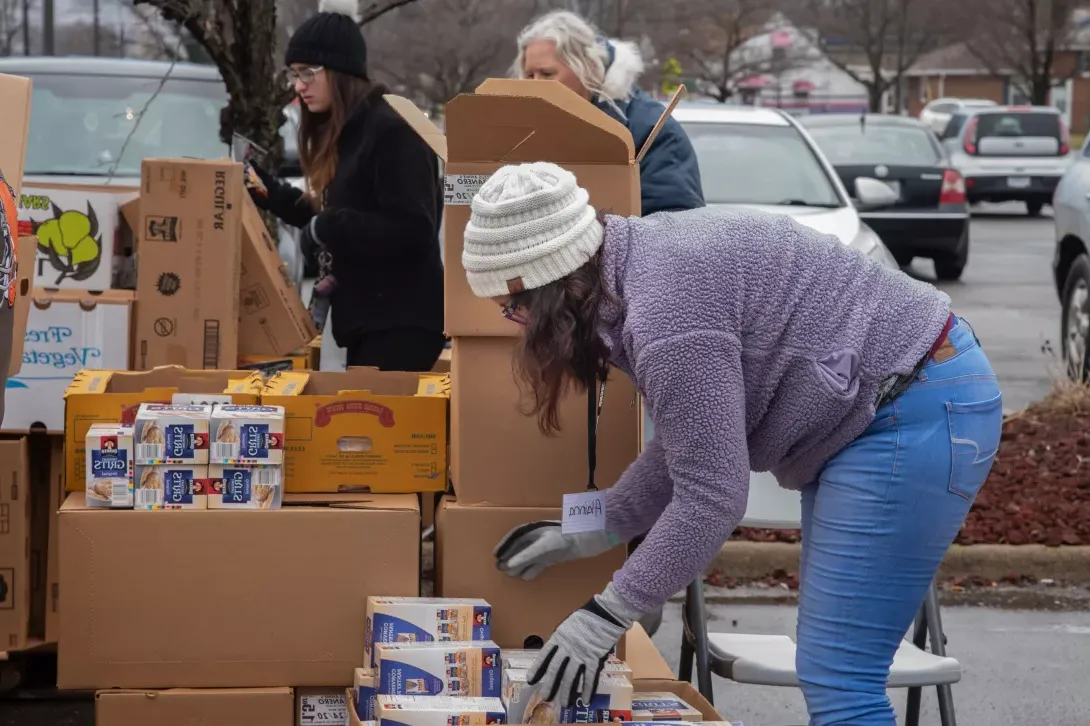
(27, 251)
(333, 383)
(355, 500)
(514, 129)
(681, 689)
(420, 123)
(43, 297)
(661, 122)
(15, 121)
(175, 378)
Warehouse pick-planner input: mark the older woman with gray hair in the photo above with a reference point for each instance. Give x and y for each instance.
(562, 46)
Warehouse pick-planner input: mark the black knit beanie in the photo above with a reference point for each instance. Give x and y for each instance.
(331, 39)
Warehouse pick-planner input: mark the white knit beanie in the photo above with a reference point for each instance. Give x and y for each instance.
(531, 224)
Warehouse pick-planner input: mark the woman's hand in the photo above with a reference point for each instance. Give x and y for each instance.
(529, 549)
(259, 183)
(572, 660)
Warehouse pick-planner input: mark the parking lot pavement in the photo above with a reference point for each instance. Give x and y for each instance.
(1019, 667)
(1008, 295)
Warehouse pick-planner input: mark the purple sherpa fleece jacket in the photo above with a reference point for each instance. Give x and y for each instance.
(758, 344)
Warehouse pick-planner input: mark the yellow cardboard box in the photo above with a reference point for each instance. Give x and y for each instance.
(363, 429)
(114, 397)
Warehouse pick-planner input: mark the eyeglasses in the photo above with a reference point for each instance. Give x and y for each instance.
(305, 76)
(510, 311)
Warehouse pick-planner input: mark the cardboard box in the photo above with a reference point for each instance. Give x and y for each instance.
(115, 397)
(188, 707)
(15, 121)
(228, 599)
(643, 657)
(38, 455)
(362, 429)
(273, 319)
(498, 454)
(321, 706)
(56, 499)
(24, 277)
(683, 690)
(78, 230)
(67, 331)
(15, 561)
(353, 711)
(305, 359)
(527, 612)
(510, 122)
(190, 252)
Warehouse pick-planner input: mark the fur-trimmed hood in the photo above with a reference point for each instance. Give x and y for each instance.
(624, 68)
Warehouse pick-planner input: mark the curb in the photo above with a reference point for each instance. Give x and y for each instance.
(754, 560)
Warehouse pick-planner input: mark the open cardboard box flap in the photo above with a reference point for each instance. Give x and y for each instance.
(361, 500)
(683, 690)
(333, 383)
(165, 378)
(43, 297)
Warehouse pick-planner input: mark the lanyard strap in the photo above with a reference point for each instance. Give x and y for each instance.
(594, 414)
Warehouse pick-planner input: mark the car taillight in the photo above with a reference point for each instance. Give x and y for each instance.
(970, 137)
(953, 188)
(1065, 139)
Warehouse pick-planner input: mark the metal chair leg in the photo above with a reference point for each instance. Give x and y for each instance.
(938, 646)
(698, 624)
(685, 666)
(915, 693)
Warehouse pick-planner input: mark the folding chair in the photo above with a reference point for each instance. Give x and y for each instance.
(769, 660)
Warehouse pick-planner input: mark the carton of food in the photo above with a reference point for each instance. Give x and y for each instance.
(247, 435)
(524, 703)
(168, 433)
(321, 706)
(170, 486)
(523, 660)
(662, 706)
(438, 669)
(109, 466)
(366, 688)
(438, 711)
(233, 486)
(422, 620)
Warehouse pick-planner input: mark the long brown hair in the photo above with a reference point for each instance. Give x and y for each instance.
(320, 132)
(561, 349)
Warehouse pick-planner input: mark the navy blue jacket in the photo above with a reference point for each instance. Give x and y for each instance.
(669, 173)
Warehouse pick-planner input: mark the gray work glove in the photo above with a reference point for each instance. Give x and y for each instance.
(572, 660)
(529, 549)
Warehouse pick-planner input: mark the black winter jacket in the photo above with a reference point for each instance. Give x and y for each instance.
(380, 223)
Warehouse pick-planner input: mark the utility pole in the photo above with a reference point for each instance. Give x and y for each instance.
(97, 32)
(47, 27)
(26, 27)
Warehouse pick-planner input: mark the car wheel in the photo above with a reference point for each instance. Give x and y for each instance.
(949, 269)
(1075, 319)
(1034, 208)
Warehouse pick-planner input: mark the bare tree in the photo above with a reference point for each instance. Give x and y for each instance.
(11, 25)
(1023, 38)
(78, 39)
(240, 37)
(878, 39)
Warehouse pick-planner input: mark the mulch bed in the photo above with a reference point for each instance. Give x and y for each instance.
(1039, 488)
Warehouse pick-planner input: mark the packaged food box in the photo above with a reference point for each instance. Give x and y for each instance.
(438, 711)
(366, 687)
(170, 486)
(662, 706)
(233, 486)
(422, 620)
(168, 433)
(321, 706)
(109, 465)
(437, 669)
(524, 703)
(525, 659)
(247, 434)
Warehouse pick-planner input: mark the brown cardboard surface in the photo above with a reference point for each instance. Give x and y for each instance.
(500, 457)
(52, 578)
(39, 445)
(213, 598)
(465, 538)
(28, 248)
(114, 396)
(190, 262)
(353, 716)
(643, 657)
(513, 121)
(15, 564)
(273, 319)
(15, 121)
(190, 707)
(681, 689)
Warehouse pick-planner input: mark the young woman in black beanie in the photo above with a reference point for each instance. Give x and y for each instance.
(373, 202)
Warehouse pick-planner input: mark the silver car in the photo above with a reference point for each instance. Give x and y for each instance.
(1009, 153)
(1071, 263)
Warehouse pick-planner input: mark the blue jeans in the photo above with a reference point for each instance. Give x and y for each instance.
(876, 524)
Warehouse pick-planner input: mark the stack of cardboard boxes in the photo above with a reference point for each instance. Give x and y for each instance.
(504, 471)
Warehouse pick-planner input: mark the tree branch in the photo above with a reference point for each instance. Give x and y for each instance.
(376, 10)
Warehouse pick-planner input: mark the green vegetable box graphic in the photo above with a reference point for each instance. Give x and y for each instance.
(72, 242)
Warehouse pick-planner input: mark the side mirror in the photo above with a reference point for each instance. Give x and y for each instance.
(873, 193)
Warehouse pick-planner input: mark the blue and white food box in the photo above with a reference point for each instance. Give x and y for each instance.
(524, 703)
(109, 466)
(439, 669)
(234, 486)
(424, 620)
(252, 435)
(662, 706)
(170, 433)
(438, 711)
(523, 660)
(170, 486)
(365, 685)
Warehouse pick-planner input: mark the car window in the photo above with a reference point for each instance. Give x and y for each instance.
(953, 128)
(876, 144)
(1016, 124)
(944, 107)
(755, 164)
(87, 125)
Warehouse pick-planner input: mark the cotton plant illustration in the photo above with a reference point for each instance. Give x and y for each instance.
(72, 241)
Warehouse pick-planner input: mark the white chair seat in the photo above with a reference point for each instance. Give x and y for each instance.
(769, 660)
